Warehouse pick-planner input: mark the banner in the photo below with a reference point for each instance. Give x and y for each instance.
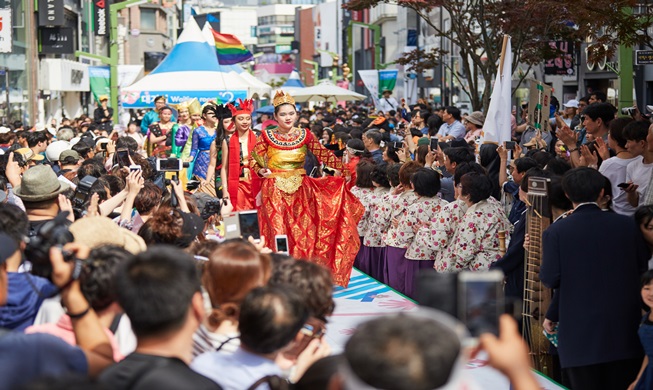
(100, 81)
(145, 99)
(101, 17)
(371, 80)
(539, 105)
(51, 13)
(5, 30)
(56, 40)
(563, 64)
(497, 119)
(387, 80)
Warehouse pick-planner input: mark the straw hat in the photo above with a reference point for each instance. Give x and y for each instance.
(99, 231)
(40, 183)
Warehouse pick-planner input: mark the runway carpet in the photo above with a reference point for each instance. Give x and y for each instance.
(365, 298)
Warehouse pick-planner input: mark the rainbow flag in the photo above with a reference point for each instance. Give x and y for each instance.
(230, 50)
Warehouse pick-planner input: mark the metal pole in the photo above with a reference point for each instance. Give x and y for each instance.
(8, 110)
(626, 72)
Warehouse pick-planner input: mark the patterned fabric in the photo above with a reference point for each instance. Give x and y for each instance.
(475, 245)
(434, 238)
(320, 216)
(201, 145)
(402, 235)
(363, 196)
(379, 220)
(370, 201)
(418, 213)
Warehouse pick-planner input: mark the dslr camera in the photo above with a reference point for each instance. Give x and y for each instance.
(82, 194)
(52, 233)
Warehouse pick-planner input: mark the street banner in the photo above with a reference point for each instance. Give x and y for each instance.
(497, 120)
(101, 17)
(56, 40)
(563, 63)
(387, 80)
(100, 81)
(539, 105)
(145, 99)
(51, 13)
(5, 30)
(371, 80)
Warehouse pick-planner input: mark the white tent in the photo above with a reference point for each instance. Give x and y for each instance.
(324, 92)
(191, 70)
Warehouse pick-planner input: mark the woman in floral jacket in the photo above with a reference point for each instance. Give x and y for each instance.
(400, 235)
(475, 245)
(426, 184)
(378, 221)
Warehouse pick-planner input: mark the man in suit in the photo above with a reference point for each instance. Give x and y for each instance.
(595, 259)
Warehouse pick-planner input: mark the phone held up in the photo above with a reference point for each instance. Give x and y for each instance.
(475, 298)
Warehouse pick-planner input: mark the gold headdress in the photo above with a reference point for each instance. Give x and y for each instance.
(282, 98)
(192, 105)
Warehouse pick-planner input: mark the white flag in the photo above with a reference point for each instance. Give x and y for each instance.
(496, 128)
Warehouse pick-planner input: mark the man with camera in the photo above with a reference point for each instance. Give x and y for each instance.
(26, 357)
(41, 193)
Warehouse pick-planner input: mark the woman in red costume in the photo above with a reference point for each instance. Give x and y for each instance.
(241, 184)
(319, 216)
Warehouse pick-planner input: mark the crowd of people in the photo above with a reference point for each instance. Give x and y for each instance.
(150, 294)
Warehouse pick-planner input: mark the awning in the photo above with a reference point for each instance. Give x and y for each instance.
(56, 74)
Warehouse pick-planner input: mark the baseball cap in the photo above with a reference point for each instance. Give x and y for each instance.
(573, 103)
(7, 247)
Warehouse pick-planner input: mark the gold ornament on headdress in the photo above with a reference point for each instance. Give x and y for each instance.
(282, 98)
(192, 105)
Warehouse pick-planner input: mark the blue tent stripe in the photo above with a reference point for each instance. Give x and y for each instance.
(188, 57)
(293, 83)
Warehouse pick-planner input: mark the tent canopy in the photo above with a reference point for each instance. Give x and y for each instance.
(324, 92)
(191, 70)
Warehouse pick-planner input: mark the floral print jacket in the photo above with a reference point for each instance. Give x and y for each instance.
(378, 219)
(475, 244)
(420, 214)
(401, 235)
(433, 239)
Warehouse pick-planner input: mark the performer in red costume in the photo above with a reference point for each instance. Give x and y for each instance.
(319, 216)
(241, 185)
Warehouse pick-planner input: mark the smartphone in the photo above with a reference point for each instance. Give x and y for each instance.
(623, 185)
(248, 223)
(169, 164)
(122, 158)
(397, 145)
(313, 172)
(134, 167)
(434, 144)
(103, 145)
(510, 145)
(481, 301)
(281, 241)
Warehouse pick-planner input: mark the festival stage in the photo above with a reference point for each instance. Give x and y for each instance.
(366, 298)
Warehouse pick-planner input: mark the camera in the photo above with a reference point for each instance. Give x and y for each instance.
(81, 195)
(52, 233)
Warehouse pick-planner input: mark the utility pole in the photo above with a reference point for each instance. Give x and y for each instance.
(112, 60)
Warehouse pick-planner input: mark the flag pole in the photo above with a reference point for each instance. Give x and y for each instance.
(506, 37)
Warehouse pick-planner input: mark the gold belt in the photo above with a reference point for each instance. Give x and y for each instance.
(288, 181)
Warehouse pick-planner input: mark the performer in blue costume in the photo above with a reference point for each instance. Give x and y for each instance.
(203, 136)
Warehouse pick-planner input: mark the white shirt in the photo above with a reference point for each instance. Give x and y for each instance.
(639, 173)
(615, 169)
(387, 104)
(236, 371)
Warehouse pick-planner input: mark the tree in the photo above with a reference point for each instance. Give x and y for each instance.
(478, 26)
